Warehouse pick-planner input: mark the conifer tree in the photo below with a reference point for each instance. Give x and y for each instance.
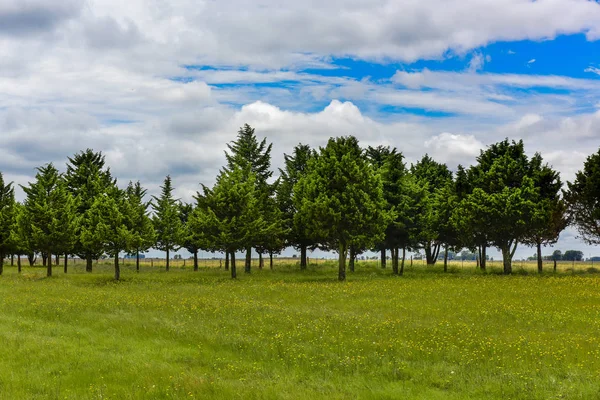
(139, 222)
(189, 240)
(50, 211)
(7, 219)
(247, 150)
(87, 178)
(166, 220)
(341, 199)
(296, 166)
(106, 226)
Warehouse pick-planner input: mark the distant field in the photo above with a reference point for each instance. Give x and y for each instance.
(287, 334)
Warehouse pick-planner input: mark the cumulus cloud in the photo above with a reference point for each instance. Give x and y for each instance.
(454, 149)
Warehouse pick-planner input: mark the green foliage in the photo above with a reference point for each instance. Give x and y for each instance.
(583, 197)
(296, 166)
(340, 199)
(50, 214)
(138, 221)
(7, 219)
(247, 150)
(86, 179)
(166, 219)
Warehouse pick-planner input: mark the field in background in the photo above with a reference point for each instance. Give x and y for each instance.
(150, 264)
(287, 334)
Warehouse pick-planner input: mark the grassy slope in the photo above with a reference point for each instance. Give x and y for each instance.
(288, 334)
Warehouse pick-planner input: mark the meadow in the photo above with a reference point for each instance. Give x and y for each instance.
(290, 334)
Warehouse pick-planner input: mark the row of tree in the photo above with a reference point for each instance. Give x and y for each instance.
(340, 198)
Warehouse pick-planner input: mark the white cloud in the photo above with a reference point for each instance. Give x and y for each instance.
(454, 149)
(593, 70)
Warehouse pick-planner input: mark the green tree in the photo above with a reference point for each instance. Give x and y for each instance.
(504, 198)
(86, 179)
(166, 220)
(7, 219)
(296, 166)
(20, 236)
(190, 241)
(139, 222)
(228, 214)
(50, 213)
(583, 199)
(434, 176)
(341, 198)
(388, 161)
(247, 150)
(550, 216)
(107, 226)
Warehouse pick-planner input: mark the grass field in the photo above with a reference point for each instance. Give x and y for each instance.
(287, 334)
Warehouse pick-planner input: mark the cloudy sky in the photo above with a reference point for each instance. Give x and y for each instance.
(160, 87)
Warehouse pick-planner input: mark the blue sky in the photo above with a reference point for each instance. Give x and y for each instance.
(161, 87)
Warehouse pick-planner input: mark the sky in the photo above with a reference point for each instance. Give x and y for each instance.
(161, 87)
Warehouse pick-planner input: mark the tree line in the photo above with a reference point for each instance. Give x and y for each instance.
(340, 197)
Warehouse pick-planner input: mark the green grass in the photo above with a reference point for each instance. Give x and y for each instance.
(287, 334)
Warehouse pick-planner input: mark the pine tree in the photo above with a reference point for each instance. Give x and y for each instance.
(296, 166)
(50, 211)
(107, 226)
(87, 179)
(341, 199)
(139, 222)
(247, 151)
(190, 242)
(166, 220)
(7, 219)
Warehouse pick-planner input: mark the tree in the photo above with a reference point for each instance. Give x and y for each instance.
(378, 157)
(433, 176)
(227, 215)
(20, 233)
(86, 178)
(341, 198)
(583, 199)
(166, 220)
(7, 219)
(188, 242)
(139, 222)
(107, 226)
(504, 198)
(550, 215)
(247, 150)
(573, 255)
(50, 213)
(296, 166)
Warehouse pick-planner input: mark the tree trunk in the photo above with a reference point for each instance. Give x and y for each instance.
(137, 261)
(1, 264)
(403, 260)
(168, 259)
(428, 255)
(19, 263)
(411, 261)
(539, 257)
(271, 260)
(477, 258)
(383, 260)
(57, 258)
(233, 271)
(352, 256)
(261, 263)
(507, 256)
(44, 260)
(49, 265)
(117, 268)
(66, 263)
(303, 263)
(12, 260)
(248, 265)
(446, 259)
(196, 260)
(342, 262)
(395, 261)
(483, 259)
(227, 261)
(88, 263)
(31, 259)
(555, 265)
